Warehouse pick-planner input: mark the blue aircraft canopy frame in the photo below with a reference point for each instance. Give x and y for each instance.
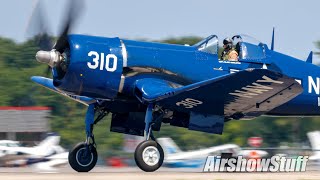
(209, 45)
(245, 38)
(249, 48)
(205, 40)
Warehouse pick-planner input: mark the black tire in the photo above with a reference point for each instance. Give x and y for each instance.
(138, 156)
(79, 162)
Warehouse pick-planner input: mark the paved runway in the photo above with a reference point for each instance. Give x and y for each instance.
(104, 173)
(159, 176)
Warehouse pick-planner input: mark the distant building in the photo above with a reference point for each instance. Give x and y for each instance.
(24, 123)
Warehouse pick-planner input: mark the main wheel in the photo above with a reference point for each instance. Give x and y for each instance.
(149, 156)
(83, 158)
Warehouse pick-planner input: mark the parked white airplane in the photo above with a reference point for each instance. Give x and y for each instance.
(9, 143)
(47, 147)
(48, 153)
(314, 138)
(175, 157)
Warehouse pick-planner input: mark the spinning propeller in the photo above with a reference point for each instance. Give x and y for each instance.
(49, 53)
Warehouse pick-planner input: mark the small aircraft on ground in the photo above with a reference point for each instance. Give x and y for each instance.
(175, 157)
(145, 84)
(48, 153)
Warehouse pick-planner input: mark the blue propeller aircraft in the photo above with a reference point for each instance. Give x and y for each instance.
(145, 84)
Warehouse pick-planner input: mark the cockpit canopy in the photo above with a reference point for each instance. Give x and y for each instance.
(209, 44)
(248, 48)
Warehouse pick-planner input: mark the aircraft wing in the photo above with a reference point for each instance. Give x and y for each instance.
(48, 83)
(52, 162)
(245, 94)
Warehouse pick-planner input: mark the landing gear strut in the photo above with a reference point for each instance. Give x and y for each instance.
(83, 157)
(149, 154)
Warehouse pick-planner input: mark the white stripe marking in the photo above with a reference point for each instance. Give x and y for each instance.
(121, 83)
(124, 54)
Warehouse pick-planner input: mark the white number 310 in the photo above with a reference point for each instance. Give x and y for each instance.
(102, 61)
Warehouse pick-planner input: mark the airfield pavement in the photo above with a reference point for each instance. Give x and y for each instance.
(104, 173)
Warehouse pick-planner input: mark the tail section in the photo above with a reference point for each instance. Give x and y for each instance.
(314, 138)
(168, 145)
(51, 140)
(47, 146)
(309, 59)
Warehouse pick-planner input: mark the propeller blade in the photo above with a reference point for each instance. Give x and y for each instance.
(37, 26)
(50, 53)
(48, 71)
(74, 8)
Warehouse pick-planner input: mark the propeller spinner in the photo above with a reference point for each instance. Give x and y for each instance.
(49, 57)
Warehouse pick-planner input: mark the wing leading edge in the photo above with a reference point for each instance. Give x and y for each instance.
(48, 83)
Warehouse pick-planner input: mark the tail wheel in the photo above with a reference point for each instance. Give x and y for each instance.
(149, 156)
(83, 158)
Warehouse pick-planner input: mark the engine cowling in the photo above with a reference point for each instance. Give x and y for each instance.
(92, 67)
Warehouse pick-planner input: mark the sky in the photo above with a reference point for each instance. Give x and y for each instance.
(297, 22)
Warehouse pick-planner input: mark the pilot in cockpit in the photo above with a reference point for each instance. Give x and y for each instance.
(229, 53)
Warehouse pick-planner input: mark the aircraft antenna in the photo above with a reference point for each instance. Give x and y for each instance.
(272, 41)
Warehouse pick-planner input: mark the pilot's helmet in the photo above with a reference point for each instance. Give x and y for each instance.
(228, 42)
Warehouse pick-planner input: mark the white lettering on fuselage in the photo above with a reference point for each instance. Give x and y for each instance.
(102, 61)
(255, 88)
(313, 85)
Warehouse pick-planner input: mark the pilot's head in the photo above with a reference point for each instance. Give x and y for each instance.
(227, 43)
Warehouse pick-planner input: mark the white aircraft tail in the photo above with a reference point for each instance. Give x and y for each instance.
(314, 138)
(47, 146)
(168, 145)
(51, 140)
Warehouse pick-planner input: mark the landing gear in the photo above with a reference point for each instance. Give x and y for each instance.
(83, 157)
(149, 154)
